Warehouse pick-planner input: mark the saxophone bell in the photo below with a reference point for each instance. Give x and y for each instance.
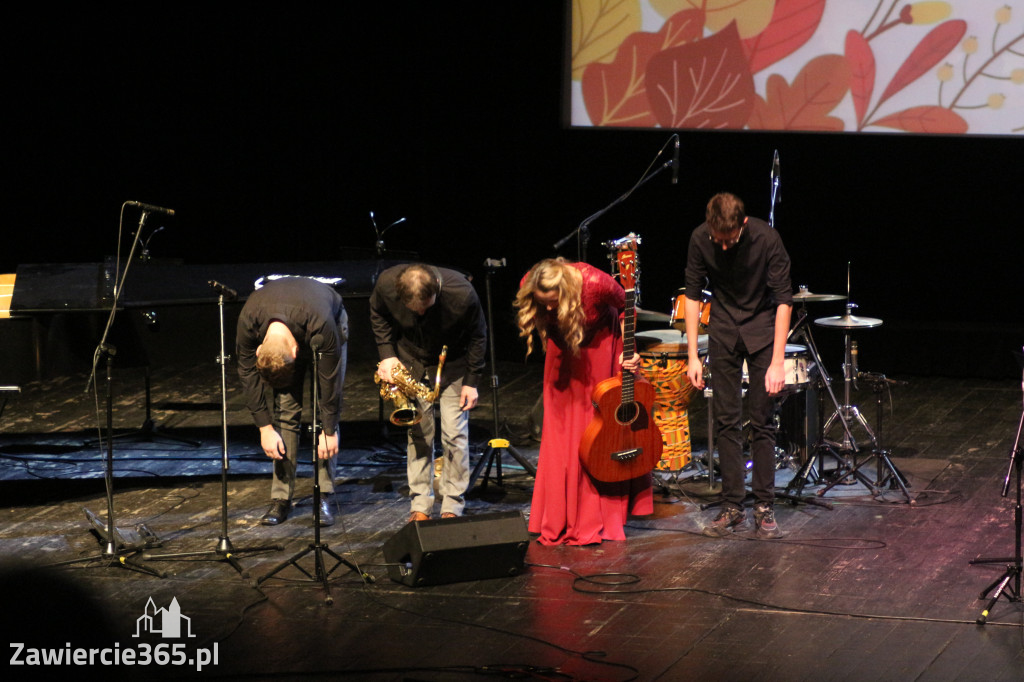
(404, 390)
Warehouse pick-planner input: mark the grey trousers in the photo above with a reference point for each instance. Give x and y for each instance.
(455, 443)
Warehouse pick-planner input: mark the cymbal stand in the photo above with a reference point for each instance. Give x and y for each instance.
(887, 471)
(1002, 585)
(224, 551)
(320, 573)
(802, 331)
(496, 446)
(848, 413)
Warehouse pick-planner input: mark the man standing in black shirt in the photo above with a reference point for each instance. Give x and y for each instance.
(745, 264)
(275, 330)
(416, 310)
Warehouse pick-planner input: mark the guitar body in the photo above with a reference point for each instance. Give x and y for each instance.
(622, 441)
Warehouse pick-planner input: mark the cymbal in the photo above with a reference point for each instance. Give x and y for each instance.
(806, 296)
(848, 321)
(651, 316)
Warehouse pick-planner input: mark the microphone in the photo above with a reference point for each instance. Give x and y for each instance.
(776, 178)
(316, 342)
(150, 207)
(224, 290)
(675, 162)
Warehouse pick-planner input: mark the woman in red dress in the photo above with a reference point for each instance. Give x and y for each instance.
(575, 310)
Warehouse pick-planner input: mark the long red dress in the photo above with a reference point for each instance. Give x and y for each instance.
(569, 506)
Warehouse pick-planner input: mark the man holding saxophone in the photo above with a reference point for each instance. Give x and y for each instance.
(415, 311)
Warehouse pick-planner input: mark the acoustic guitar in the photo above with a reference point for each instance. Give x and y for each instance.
(622, 441)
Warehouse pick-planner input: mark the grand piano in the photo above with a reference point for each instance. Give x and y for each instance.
(44, 296)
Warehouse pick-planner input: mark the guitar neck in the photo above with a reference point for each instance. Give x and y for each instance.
(628, 343)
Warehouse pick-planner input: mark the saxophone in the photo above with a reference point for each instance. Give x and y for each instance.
(403, 392)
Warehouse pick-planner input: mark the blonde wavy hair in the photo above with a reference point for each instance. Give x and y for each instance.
(552, 274)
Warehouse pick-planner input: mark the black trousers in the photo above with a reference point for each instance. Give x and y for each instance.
(727, 401)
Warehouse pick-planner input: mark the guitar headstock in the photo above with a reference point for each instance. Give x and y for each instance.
(626, 260)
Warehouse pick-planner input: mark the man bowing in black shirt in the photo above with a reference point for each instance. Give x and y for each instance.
(275, 330)
(745, 265)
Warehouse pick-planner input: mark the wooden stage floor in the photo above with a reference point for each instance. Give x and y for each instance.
(872, 588)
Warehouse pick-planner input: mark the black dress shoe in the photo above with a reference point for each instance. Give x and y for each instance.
(277, 513)
(326, 517)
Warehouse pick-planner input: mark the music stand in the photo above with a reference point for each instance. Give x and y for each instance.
(1002, 585)
(224, 550)
(320, 573)
(496, 446)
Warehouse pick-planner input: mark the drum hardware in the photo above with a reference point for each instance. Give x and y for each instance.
(887, 471)
(651, 316)
(802, 331)
(803, 295)
(849, 470)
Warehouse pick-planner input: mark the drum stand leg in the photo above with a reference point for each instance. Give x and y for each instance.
(802, 330)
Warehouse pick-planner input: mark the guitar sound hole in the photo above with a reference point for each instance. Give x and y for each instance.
(627, 413)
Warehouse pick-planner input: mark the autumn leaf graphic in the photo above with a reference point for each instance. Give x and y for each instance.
(615, 94)
(703, 84)
(925, 119)
(806, 103)
(598, 28)
(793, 22)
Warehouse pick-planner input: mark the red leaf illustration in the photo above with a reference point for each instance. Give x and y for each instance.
(932, 48)
(705, 84)
(793, 23)
(861, 60)
(804, 105)
(615, 94)
(925, 119)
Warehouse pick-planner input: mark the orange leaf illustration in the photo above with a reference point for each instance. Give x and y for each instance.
(932, 48)
(704, 84)
(751, 16)
(861, 59)
(598, 28)
(793, 23)
(805, 104)
(615, 94)
(924, 119)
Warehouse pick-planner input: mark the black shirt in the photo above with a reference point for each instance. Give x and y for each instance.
(455, 320)
(308, 308)
(747, 281)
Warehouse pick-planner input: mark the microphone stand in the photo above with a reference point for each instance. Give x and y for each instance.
(1015, 564)
(776, 183)
(496, 446)
(319, 549)
(119, 546)
(224, 550)
(582, 232)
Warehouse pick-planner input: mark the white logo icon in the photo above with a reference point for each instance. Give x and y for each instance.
(167, 622)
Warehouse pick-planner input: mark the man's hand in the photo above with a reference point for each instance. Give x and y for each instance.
(385, 367)
(327, 446)
(468, 398)
(271, 442)
(775, 378)
(695, 371)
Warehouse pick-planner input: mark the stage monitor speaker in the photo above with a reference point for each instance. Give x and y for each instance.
(455, 550)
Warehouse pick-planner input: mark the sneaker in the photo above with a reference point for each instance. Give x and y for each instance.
(764, 521)
(726, 519)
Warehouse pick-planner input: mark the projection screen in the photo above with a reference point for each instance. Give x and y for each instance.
(953, 67)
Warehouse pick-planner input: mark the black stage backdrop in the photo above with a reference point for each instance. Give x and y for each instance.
(274, 134)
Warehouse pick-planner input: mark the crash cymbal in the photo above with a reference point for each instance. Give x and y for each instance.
(804, 295)
(848, 321)
(651, 316)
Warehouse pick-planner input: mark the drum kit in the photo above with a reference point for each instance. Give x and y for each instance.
(664, 362)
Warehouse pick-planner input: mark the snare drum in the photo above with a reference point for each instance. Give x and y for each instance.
(663, 355)
(679, 309)
(798, 368)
